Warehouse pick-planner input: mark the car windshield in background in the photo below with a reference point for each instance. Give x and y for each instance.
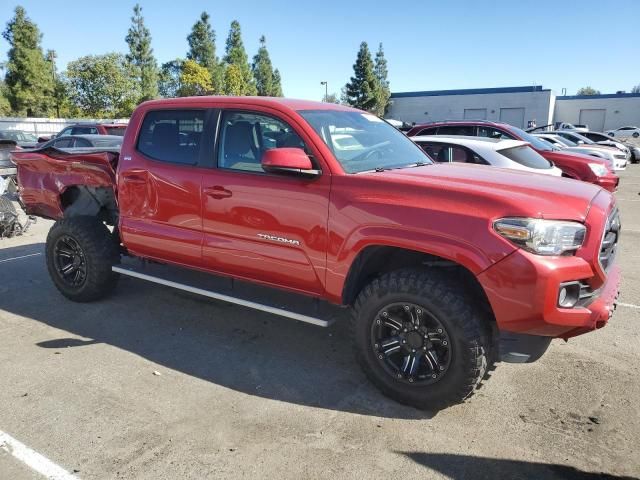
(116, 131)
(526, 156)
(537, 143)
(567, 142)
(362, 142)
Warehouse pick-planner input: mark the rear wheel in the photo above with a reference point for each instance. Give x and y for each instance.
(80, 253)
(419, 338)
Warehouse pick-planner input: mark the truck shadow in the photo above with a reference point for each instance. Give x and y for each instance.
(248, 351)
(466, 467)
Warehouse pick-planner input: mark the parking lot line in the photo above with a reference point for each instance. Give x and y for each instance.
(18, 258)
(629, 305)
(33, 459)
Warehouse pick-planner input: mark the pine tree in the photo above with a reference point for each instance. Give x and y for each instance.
(169, 78)
(383, 93)
(29, 85)
(276, 90)
(361, 90)
(141, 56)
(236, 55)
(202, 49)
(263, 70)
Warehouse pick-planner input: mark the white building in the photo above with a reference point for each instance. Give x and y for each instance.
(518, 106)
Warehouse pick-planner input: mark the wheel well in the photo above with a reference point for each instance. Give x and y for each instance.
(97, 202)
(375, 261)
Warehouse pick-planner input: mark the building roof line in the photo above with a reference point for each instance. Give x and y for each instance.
(470, 91)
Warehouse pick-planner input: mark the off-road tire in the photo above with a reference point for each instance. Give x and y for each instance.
(99, 255)
(468, 331)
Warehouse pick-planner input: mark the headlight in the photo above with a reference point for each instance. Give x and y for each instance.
(597, 169)
(544, 237)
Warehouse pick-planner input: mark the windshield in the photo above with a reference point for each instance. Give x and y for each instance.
(566, 141)
(527, 156)
(536, 142)
(577, 136)
(361, 141)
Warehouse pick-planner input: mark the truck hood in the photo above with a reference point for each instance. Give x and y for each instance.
(497, 191)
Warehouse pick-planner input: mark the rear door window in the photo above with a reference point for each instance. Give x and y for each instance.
(526, 156)
(173, 136)
(428, 131)
(490, 132)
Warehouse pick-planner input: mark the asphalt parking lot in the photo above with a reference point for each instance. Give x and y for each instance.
(157, 384)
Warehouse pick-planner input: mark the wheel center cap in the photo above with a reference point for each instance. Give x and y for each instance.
(76, 261)
(414, 340)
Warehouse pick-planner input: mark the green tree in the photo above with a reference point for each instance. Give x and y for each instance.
(332, 98)
(202, 49)
(5, 106)
(194, 80)
(233, 81)
(141, 57)
(361, 90)
(276, 90)
(263, 70)
(636, 89)
(169, 78)
(236, 55)
(103, 85)
(588, 91)
(28, 81)
(383, 93)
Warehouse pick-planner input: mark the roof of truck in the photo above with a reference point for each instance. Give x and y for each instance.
(277, 102)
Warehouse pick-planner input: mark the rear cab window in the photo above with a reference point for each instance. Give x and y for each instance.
(172, 136)
(527, 156)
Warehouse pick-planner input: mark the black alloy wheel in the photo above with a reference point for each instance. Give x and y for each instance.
(411, 344)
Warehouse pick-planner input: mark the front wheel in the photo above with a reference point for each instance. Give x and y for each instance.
(80, 253)
(420, 339)
(635, 134)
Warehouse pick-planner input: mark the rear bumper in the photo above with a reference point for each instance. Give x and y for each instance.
(523, 292)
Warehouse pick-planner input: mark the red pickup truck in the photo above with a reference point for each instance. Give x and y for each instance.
(446, 268)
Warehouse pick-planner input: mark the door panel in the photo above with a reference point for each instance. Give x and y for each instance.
(160, 188)
(265, 227)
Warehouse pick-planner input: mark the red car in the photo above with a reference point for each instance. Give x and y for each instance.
(445, 267)
(573, 165)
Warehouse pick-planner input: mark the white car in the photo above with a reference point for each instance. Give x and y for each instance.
(620, 152)
(613, 156)
(572, 127)
(624, 132)
(513, 154)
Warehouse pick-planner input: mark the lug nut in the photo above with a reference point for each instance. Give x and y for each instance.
(439, 330)
(441, 368)
(406, 307)
(399, 375)
(411, 380)
(445, 343)
(377, 322)
(418, 311)
(385, 314)
(380, 357)
(434, 376)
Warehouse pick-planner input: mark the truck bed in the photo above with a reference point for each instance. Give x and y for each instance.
(45, 174)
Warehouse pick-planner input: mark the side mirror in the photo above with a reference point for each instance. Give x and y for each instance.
(288, 161)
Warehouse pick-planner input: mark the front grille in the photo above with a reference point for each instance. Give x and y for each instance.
(610, 239)
(620, 156)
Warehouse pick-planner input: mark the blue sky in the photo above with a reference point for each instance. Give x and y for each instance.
(430, 45)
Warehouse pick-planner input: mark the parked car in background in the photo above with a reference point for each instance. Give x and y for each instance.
(580, 139)
(616, 159)
(23, 139)
(84, 141)
(94, 129)
(513, 154)
(570, 126)
(621, 143)
(573, 165)
(624, 132)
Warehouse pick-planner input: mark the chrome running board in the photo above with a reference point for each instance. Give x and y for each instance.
(222, 297)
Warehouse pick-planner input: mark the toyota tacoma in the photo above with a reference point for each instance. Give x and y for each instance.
(446, 268)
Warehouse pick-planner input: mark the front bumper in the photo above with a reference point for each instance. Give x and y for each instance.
(523, 292)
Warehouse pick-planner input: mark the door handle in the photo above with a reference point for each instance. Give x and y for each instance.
(217, 192)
